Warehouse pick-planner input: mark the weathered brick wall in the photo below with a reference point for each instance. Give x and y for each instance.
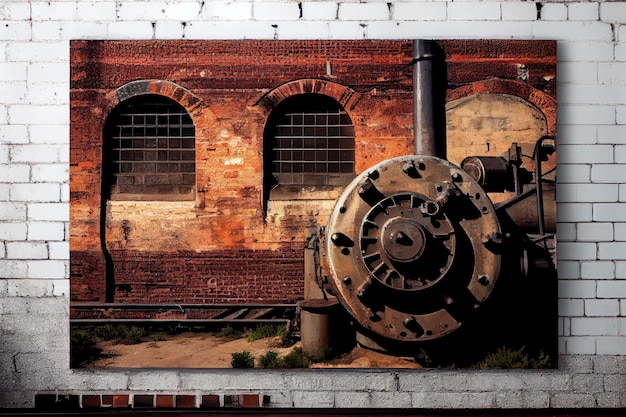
(34, 196)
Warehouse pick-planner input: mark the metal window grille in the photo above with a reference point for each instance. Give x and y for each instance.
(314, 147)
(152, 147)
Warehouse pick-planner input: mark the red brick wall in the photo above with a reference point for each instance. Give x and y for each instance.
(170, 251)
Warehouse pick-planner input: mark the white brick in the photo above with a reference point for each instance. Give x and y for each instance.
(554, 11)
(568, 193)
(580, 345)
(231, 10)
(595, 232)
(588, 326)
(577, 134)
(235, 30)
(571, 307)
(312, 30)
(25, 114)
(169, 30)
(50, 173)
(47, 10)
(36, 192)
(61, 288)
(29, 288)
(27, 250)
(611, 345)
(597, 270)
(419, 11)
(320, 11)
(95, 10)
(48, 72)
(573, 174)
(612, 289)
(182, 11)
(609, 173)
(65, 193)
(59, 250)
(577, 288)
(14, 92)
(583, 11)
(620, 154)
(622, 192)
(47, 31)
(14, 173)
(12, 269)
(12, 211)
(2, 255)
(276, 11)
(15, 11)
(584, 51)
(566, 231)
(36, 153)
(601, 308)
(474, 11)
(130, 30)
(12, 231)
(574, 212)
(574, 114)
(15, 31)
(4, 153)
(568, 269)
(13, 71)
(39, 51)
(576, 72)
(46, 231)
(613, 12)
(612, 134)
(363, 11)
(620, 115)
(613, 250)
(585, 154)
(587, 31)
(142, 10)
(620, 231)
(591, 93)
(48, 93)
(49, 211)
(609, 212)
(50, 269)
(620, 51)
(518, 11)
(84, 30)
(55, 134)
(4, 192)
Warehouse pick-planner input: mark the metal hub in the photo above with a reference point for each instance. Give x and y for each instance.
(403, 240)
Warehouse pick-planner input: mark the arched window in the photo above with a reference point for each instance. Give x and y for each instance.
(309, 143)
(150, 150)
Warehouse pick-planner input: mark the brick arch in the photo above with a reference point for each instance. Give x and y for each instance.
(544, 102)
(345, 96)
(184, 97)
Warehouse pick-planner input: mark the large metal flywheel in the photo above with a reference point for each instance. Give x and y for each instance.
(411, 248)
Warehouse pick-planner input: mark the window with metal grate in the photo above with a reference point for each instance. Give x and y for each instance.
(150, 149)
(312, 142)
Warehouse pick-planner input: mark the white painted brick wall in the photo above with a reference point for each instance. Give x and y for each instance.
(34, 192)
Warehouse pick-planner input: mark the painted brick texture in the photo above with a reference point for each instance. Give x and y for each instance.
(34, 150)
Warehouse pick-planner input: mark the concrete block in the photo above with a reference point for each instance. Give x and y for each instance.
(595, 232)
(612, 250)
(554, 11)
(574, 174)
(577, 250)
(568, 400)
(613, 12)
(49, 211)
(611, 289)
(609, 365)
(270, 11)
(535, 399)
(583, 11)
(610, 400)
(612, 345)
(583, 31)
(586, 115)
(612, 134)
(595, 326)
(601, 308)
(363, 11)
(610, 212)
(584, 51)
(569, 269)
(597, 270)
(421, 11)
(352, 399)
(577, 345)
(474, 11)
(585, 154)
(10, 210)
(153, 380)
(576, 72)
(591, 93)
(28, 287)
(320, 11)
(383, 399)
(569, 193)
(518, 11)
(576, 364)
(588, 383)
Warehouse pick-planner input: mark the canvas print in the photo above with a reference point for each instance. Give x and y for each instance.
(313, 204)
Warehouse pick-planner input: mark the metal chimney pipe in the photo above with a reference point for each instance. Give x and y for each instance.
(429, 99)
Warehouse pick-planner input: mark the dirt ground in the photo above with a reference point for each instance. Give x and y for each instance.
(206, 351)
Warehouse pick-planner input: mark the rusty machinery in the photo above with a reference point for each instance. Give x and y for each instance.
(415, 246)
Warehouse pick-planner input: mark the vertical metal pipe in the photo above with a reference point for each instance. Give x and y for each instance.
(428, 114)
